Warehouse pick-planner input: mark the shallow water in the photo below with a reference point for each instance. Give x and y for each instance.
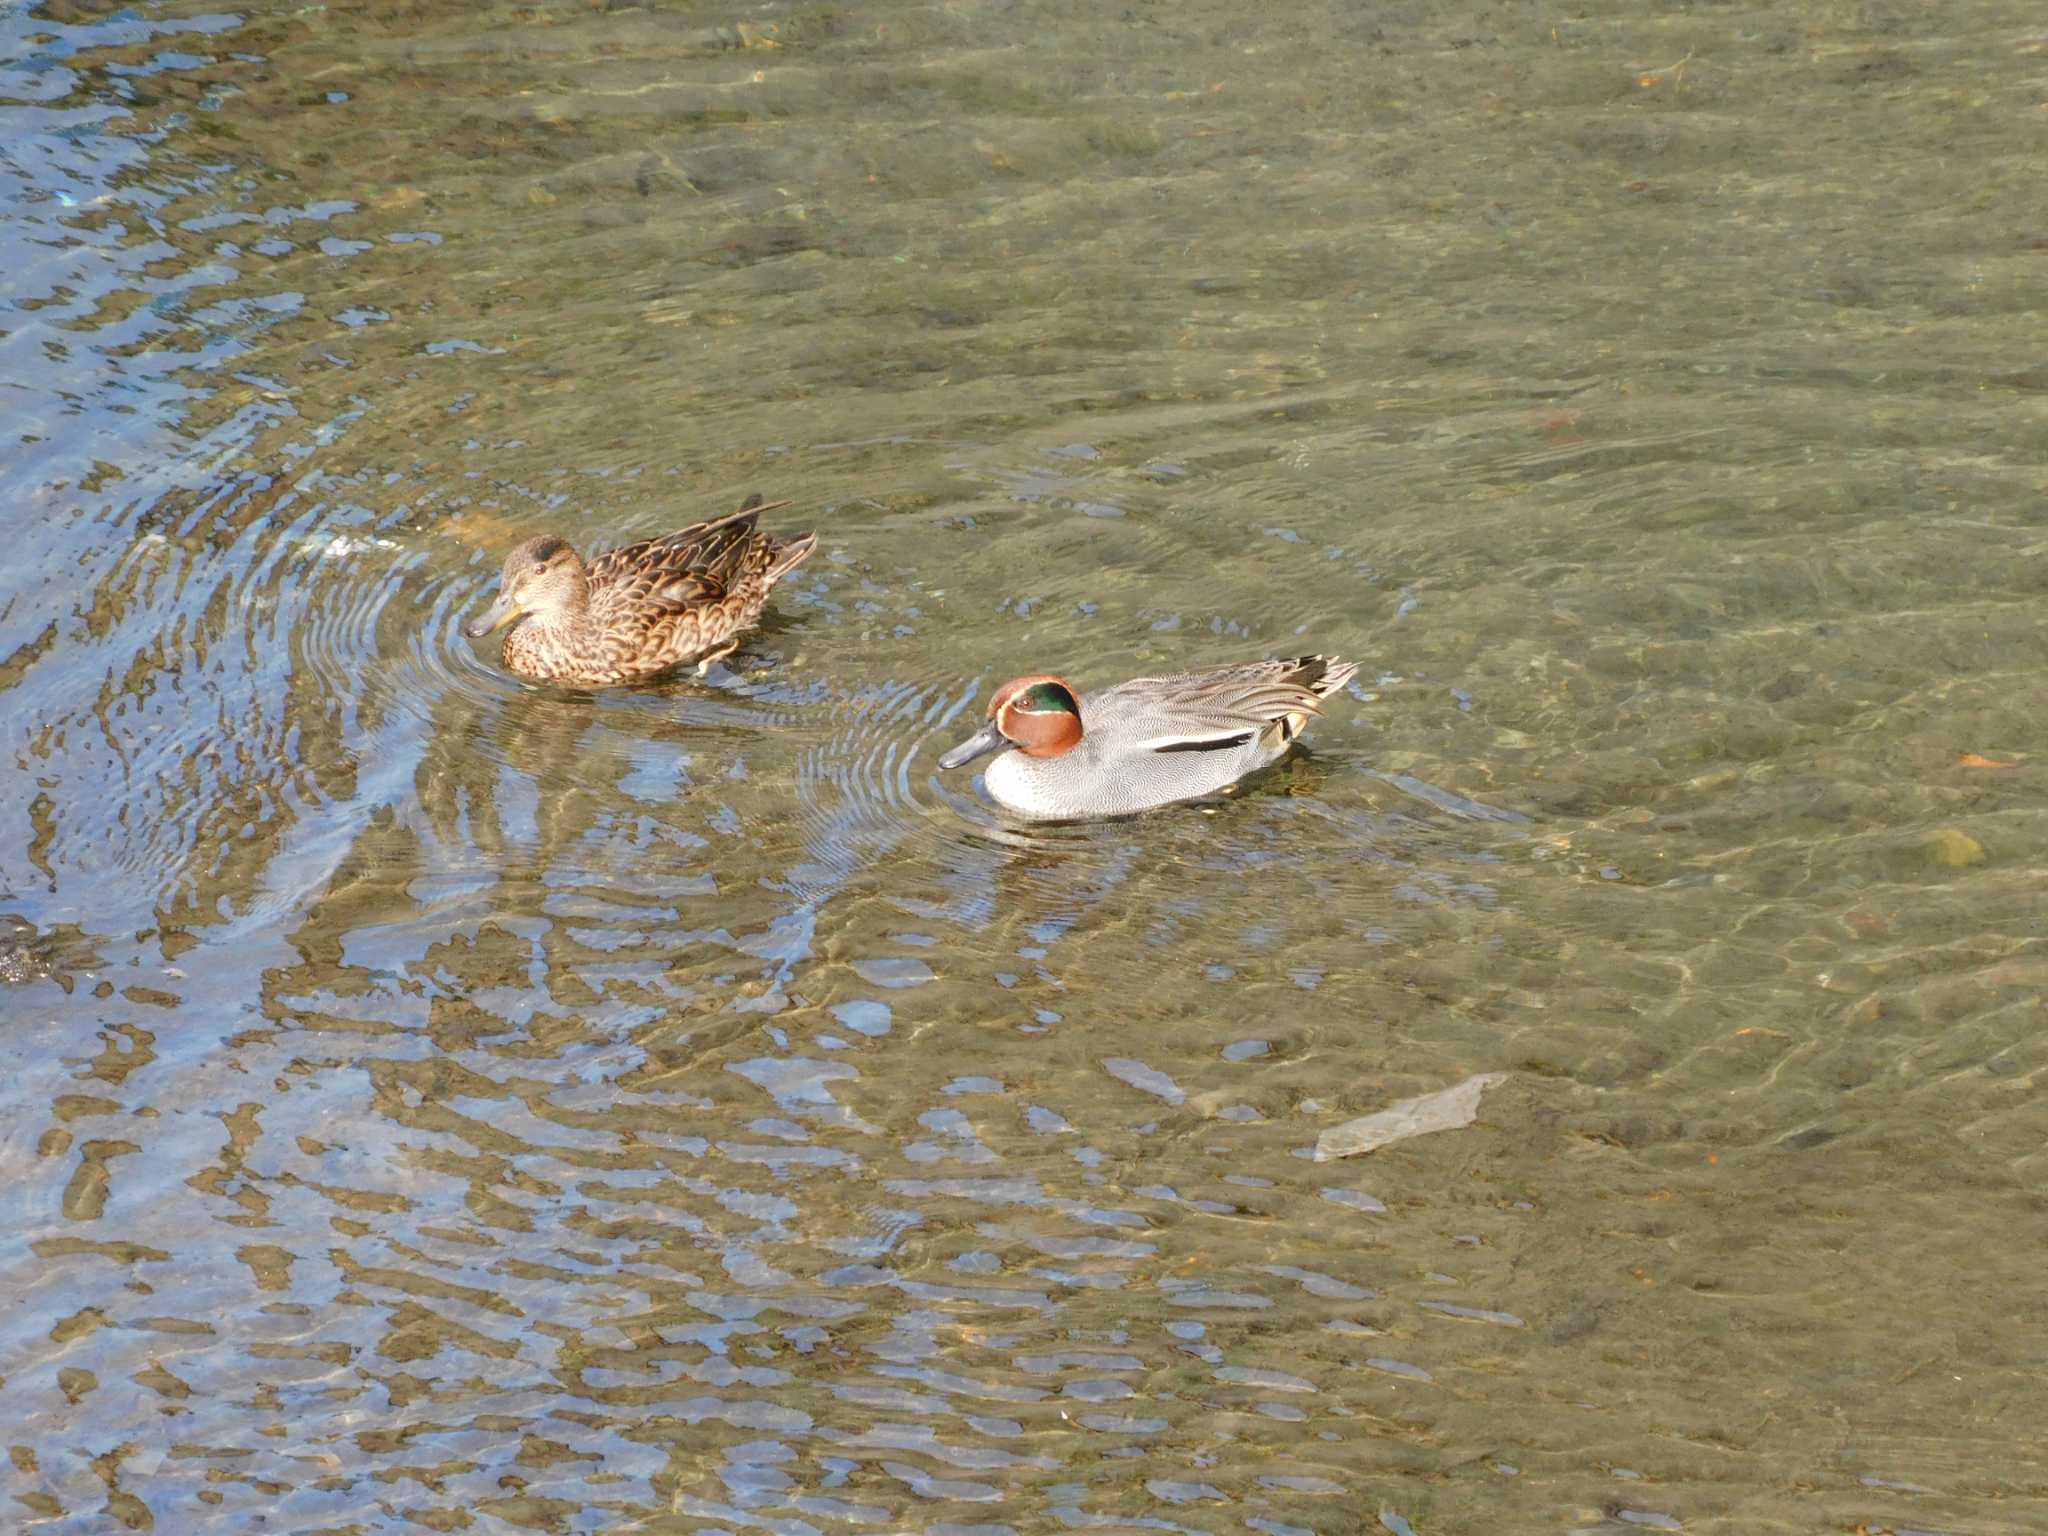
(440, 1103)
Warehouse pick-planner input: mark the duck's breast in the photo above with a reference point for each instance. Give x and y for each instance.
(1119, 768)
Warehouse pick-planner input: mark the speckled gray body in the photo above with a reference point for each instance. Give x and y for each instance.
(1146, 742)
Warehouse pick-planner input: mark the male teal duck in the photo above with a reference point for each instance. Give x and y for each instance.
(636, 612)
(1147, 742)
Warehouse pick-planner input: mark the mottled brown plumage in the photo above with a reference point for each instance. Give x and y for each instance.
(636, 612)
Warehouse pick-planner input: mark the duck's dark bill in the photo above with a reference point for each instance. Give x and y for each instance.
(987, 739)
(498, 614)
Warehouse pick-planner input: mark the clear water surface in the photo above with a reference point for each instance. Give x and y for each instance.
(434, 1103)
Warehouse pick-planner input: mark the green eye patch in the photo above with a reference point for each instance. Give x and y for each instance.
(1046, 699)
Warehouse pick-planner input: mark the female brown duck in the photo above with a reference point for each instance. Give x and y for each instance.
(638, 611)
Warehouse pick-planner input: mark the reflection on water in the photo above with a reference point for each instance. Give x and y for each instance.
(442, 1103)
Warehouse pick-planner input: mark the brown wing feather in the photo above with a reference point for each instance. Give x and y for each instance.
(689, 568)
(672, 598)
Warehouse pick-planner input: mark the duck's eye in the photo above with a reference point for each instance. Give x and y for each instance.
(1046, 699)
(539, 568)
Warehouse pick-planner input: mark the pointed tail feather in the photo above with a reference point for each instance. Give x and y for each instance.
(791, 551)
(1319, 677)
(1324, 675)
